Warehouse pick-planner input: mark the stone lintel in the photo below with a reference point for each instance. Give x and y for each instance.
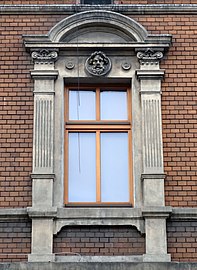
(44, 74)
(43, 176)
(156, 212)
(150, 74)
(35, 212)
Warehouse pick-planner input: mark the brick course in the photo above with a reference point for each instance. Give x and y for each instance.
(182, 240)
(15, 240)
(102, 241)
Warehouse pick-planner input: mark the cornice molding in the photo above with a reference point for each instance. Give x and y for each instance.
(124, 9)
(185, 213)
(176, 213)
(13, 213)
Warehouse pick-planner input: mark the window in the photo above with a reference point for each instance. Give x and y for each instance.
(98, 146)
(97, 2)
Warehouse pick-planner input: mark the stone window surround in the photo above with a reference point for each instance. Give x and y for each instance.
(50, 54)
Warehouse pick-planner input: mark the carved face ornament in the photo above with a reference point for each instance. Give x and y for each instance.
(98, 64)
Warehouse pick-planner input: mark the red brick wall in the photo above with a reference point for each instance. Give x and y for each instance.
(15, 240)
(16, 107)
(41, 2)
(179, 110)
(105, 241)
(182, 240)
(179, 113)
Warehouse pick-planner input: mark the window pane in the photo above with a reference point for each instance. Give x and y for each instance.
(82, 105)
(82, 167)
(114, 105)
(114, 167)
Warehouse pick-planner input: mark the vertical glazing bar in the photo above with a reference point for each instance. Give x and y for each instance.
(97, 104)
(98, 168)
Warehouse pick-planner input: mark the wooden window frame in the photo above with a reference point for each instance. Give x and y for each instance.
(98, 126)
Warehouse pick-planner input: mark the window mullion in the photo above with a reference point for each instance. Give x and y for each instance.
(97, 104)
(98, 168)
(129, 104)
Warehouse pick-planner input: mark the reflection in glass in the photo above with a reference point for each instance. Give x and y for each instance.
(82, 105)
(82, 167)
(114, 167)
(113, 105)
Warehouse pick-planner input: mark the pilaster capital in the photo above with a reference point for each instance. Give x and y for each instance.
(149, 56)
(44, 56)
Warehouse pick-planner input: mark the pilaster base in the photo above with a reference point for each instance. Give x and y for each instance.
(156, 258)
(41, 258)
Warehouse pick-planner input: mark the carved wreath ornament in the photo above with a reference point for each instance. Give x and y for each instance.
(98, 64)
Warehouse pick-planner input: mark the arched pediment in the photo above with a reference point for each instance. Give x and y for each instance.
(97, 26)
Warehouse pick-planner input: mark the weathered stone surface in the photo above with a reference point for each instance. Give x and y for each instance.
(98, 266)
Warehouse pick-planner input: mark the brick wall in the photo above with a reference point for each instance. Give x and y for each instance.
(15, 240)
(16, 107)
(99, 241)
(182, 240)
(179, 113)
(179, 106)
(41, 2)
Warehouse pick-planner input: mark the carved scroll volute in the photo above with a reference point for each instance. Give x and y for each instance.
(150, 57)
(44, 56)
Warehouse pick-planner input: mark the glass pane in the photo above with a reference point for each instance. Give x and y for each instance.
(114, 105)
(82, 105)
(114, 167)
(82, 167)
